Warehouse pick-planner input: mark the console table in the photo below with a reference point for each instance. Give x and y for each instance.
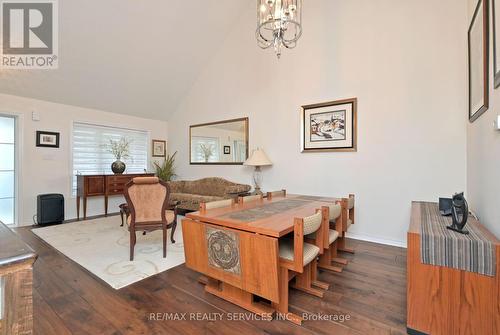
(446, 300)
(101, 185)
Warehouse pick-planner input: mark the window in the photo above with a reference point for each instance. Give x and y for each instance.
(7, 169)
(240, 151)
(90, 149)
(204, 149)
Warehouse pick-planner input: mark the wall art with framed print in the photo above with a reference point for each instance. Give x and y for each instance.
(478, 53)
(47, 139)
(496, 42)
(330, 126)
(159, 148)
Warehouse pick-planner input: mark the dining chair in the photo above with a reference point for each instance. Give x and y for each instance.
(148, 203)
(347, 221)
(216, 204)
(242, 200)
(281, 193)
(297, 259)
(333, 231)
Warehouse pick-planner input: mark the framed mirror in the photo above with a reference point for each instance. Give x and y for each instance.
(222, 142)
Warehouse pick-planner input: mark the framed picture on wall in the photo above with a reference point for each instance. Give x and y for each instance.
(227, 150)
(47, 139)
(496, 42)
(330, 126)
(478, 61)
(159, 148)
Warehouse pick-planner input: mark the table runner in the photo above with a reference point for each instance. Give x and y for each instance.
(443, 247)
(262, 212)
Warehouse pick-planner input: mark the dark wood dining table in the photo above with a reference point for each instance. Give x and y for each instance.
(237, 248)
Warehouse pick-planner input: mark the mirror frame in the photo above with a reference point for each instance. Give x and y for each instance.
(244, 119)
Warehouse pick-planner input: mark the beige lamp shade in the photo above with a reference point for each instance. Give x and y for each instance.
(258, 158)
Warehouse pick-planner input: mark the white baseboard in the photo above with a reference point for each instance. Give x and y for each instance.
(384, 241)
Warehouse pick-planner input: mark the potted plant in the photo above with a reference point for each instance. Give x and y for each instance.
(120, 150)
(166, 170)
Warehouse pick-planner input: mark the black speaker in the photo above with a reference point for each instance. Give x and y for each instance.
(50, 208)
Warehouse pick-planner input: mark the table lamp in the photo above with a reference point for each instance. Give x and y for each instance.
(258, 158)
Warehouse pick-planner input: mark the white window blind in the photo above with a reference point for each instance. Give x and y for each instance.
(90, 149)
(197, 154)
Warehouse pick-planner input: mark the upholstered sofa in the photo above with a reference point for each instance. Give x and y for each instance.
(190, 194)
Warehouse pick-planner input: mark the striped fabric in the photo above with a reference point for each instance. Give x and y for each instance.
(443, 247)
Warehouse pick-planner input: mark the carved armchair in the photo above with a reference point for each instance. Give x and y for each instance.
(148, 203)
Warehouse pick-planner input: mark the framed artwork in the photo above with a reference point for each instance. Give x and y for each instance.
(496, 43)
(330, 126)
(478, 61)
(159, 148)
(47, 139)
(227, 150)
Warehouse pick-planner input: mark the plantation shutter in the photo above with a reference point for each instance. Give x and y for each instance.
(90, 149)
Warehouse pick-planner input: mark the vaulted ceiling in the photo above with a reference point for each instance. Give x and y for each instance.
(135, 57)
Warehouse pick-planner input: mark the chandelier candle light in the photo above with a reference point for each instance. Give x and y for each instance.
(258, 159)
(279, 24)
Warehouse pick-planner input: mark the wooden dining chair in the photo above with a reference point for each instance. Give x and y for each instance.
(347, 221)
(216, 204)
(281, 193)
(297, 258)
(334, 229)
(242, 200)
(148, 203)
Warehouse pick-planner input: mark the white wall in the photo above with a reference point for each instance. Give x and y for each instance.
(48, 170)
(483, 154)
(404, 60)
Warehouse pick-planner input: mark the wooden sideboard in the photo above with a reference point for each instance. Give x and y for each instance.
(443, 300)
(16, 273)
(101, 185)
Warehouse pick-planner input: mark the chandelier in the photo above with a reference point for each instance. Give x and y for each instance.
(279, 24)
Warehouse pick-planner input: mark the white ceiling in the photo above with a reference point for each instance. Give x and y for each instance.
(135, 57)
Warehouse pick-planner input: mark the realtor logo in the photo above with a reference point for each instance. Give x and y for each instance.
(29, 34)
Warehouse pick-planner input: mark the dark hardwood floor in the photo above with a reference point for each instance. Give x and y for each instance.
(371, 292)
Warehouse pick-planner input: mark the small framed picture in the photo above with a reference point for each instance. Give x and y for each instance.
(159, 148)
(478, 51)
(330, 126)
(227, 150)
(47, 139)
(496, 41)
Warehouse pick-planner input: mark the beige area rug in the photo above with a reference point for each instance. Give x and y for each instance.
(102, 247)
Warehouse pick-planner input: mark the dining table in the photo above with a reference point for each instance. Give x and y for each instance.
(237, 248)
